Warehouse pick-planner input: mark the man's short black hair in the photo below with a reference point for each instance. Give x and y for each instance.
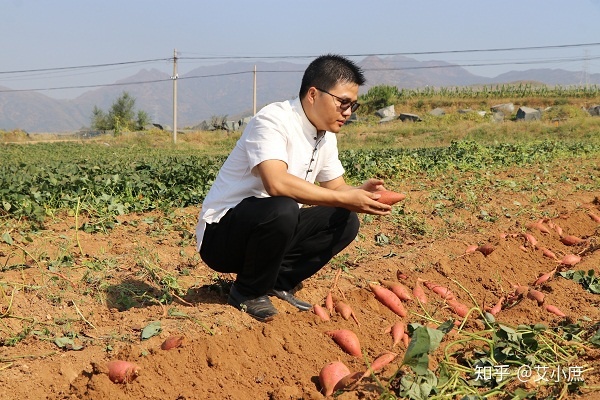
(328, 70)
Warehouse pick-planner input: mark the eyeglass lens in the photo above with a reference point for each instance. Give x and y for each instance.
(344, 103)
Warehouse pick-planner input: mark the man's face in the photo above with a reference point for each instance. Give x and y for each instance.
(330, 109)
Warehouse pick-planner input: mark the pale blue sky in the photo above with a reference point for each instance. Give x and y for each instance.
(40, 34)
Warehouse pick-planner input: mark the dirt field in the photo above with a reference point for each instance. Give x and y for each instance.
(103, 299)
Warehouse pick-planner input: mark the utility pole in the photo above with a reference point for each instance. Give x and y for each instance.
(254, 93)
(174, 78)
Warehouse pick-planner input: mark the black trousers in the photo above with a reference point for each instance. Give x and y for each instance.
(271, 243)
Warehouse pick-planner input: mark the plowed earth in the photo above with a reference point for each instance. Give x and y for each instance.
(100, 290)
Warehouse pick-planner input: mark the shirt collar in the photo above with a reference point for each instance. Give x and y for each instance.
(307, 127)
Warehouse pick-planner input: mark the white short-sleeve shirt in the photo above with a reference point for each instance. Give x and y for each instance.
(280, 131)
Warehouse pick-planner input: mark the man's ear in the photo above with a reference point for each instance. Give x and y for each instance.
(311, 95)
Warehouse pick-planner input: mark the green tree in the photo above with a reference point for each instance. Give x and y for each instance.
(100, 119)
(380, 96)
(121, 116)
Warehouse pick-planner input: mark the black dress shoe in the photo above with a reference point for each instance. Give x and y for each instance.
(259, 307)
(290, 298)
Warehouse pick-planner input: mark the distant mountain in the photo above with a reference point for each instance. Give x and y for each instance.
(550, 77)
(35, 112)
(226, 90)
(409, 73)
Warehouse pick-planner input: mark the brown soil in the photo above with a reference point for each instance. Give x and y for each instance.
(103, 298)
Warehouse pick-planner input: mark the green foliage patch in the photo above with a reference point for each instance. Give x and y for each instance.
(37, 180)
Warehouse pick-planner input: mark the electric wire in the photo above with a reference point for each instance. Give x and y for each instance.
(41, 71)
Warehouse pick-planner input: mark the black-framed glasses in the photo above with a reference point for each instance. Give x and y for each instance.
(344, 103)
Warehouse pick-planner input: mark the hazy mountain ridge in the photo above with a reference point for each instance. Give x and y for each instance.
(227, 89)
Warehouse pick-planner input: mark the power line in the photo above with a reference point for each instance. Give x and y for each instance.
(530, 62)
(170, 59)
(85, 66)
(86, 86)
(562, 46)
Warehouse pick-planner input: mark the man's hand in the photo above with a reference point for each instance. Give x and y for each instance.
(364, 201)
(372, 185)
(360, 199)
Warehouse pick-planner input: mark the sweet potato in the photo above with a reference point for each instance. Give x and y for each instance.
(544, 278)
(554, 310)
(529, 238)
(398, 288)
(389, 299)
(348, 380)
(381, 361)
(548, 253)
(594, 217)
(558, 230)
(459, 308)
(570, 259)
(120, 371)
(172, 342)
(571, 240)
(486, 249)
(397, 332)
(443, 291)
(538, 226)
(471, 249)
(401, 275)
(347, 340)
(330, 375)
(406, 339)
(321, 312)
(536, 295)
(343, 309)
(497, 307)
(329, 302)
(519, 290)
(418, 292)
(390, 197)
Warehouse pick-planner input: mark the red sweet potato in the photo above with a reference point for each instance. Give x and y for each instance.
(570, 259)
(347, 340)
(443, 291)
(486, 249)
(530, 239)
(389, 299)
(571, 240)
(459, 308)
(544, 278)
(381, 361)
(398, 288)
(172, 342)
(538, 226)
(329, 302)
(471, 249)
(548, 253)
(330, 375)
(554, 310)
(120, 371)
(343, 309)
(536, 295)
(406, 339)
(390, 197)
(397, 332)
(418, 292)
(558, 230)
(401, 275)
(321, 312)
(497, 307)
